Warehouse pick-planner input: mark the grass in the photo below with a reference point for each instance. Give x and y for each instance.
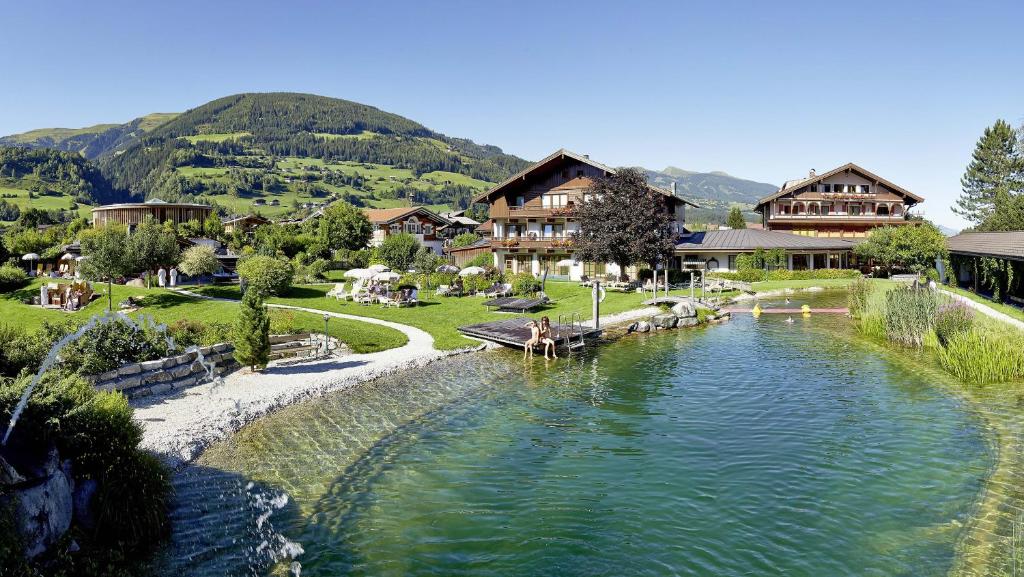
(40, 201)
(441, 316)
(1004, 308)
(167, 306)
(216, 136)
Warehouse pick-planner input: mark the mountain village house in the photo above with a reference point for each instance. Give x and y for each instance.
(845, 202)
(421, 223)
(531, 215)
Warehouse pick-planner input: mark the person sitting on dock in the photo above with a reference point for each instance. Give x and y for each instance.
(534, 338)
(545, 337)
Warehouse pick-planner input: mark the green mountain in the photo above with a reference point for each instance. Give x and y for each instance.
(92, 141)
(284, 153)
(51, 180)
(716, 192)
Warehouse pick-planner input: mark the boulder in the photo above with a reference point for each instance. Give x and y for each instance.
(684, 310)
(130, 369)
(643, 327)
(665, 321)
(688, 322)
(43, 507)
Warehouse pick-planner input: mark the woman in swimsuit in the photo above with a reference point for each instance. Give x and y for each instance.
(545, 337)
(534, 339)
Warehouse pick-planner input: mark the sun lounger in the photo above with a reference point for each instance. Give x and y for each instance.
(500, 302)
(522, 305)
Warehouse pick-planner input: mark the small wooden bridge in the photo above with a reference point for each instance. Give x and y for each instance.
(789, 311)
(515, 333)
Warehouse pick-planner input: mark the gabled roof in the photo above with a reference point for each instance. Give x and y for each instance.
(553, 159)
(791, 185)
(389, 215)
(751, 239)
(1008, 245)
(246, 217)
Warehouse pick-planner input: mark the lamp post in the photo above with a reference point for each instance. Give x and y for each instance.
(326, 338)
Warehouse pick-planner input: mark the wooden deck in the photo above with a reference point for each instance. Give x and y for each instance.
(515, 333)
(789, 311)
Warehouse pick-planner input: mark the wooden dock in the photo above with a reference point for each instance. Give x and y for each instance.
(669, 300)
(515, 333)
(789, 311)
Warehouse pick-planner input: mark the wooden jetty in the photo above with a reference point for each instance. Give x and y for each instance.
(515, 333)
(669, 300)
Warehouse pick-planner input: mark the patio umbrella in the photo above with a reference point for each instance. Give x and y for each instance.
(359, 273)
(30, 257)
(379, 268)
(565, 262)
(448, 268)
(67, 256)
(471, 270)
(386, 276)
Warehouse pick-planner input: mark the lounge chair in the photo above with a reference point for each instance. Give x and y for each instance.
(338, 291)
(585, 281)
(500, 302)
(498, 290)
(522, 305)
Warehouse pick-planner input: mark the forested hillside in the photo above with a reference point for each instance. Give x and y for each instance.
(715, 192)
(284, 152)
(91, 142)
(51, 180)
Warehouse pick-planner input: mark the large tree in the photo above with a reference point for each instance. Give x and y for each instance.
(199, 260)
(343, 226)
(625, 221)
(913, 246)
(152, 245)
(1008, 215)
(106, 256)
(398, 251)
(995, 173)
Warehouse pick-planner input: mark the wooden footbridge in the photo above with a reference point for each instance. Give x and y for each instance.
(787, 311)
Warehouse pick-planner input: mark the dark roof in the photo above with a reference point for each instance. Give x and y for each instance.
(750, 239)
(792, 185)
(1009, 245)
(556, 157)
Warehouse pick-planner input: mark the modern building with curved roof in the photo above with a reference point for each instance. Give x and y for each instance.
(132, 214)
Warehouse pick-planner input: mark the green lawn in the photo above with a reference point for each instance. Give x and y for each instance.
(216, 137)
(1006, 309)
(441, 316)
(167, 306)
(42, 202)
(774, 285)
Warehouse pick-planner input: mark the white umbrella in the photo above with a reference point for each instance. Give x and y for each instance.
(386, 276)
(565, 262)
(447, 268)
(471, 270)
(359, 273)
(379, 268)
(68, 256)
(30, 256)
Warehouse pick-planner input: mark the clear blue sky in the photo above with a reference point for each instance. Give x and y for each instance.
(762, 90)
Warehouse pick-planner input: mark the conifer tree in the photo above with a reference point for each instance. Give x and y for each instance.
(735, 220)
(995, 173)
(252, 332)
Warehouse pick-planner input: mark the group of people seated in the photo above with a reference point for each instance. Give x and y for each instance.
(540, 334)
(384, 294)
(69, 297)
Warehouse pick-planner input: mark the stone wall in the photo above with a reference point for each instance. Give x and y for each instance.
(165, 375)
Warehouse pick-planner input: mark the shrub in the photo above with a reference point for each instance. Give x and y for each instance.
(131, 503)
(11, 277)
(108, 346)
(909, 315)
(484, 260)
(266, 275)
(198, 260)
(312, 272)
(398, 251)
(951, 320)
(524, 283)
(465, 239)
(19, 350)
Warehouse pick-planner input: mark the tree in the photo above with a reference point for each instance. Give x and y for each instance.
(343, 226)
(625, 221)
(199, 260)
(1008, 215)
(252, 332)
(398, 251)
(995, 173)
(151, 246)
(106, 256)
(265, 275)
(465, 239)
(914, 246)
(735, 220)
(427, 260)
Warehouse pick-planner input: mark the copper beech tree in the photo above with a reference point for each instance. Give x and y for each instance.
(625, 221)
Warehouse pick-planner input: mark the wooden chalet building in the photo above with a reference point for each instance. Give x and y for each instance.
(415, 220)
(245, 224)
(531, 216)
(132, 214)
(845, 202)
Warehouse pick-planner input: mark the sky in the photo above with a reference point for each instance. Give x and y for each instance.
(761, 90)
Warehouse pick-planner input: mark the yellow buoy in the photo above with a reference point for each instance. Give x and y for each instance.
(805, 309)
(756, 311)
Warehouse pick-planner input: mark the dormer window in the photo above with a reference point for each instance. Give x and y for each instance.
(865, 189)
(826, 188)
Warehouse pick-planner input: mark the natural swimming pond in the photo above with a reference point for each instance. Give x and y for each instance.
(757, 447)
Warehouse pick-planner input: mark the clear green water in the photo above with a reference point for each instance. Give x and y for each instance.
(757, 447)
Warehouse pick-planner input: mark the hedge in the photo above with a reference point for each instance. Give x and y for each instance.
(757, 275)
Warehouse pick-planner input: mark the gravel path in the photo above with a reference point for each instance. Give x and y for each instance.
(986, 310)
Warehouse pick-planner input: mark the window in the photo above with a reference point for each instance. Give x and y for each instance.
(554, 200)
(428, 229)
(854, 209)
(800, 261)
(395, 228)
(732, 262)
(412, 226)
(826, 188)
(812, 209)
(864, 189)
(826, 208)
(814, 188)
(520, 201)
(553, 230)
(819, 260)
(593, 269)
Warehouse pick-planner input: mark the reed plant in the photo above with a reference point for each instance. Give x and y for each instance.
(859, 293)
(909, 315)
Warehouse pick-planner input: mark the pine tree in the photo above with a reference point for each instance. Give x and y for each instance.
(995, 173)
(735, 220)
(252, 332)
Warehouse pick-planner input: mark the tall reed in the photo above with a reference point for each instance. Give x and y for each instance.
(909, 315)
(985, 355)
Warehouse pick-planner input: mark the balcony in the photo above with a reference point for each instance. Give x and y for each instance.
(532, 212)
(535, 242)
(837, 217)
